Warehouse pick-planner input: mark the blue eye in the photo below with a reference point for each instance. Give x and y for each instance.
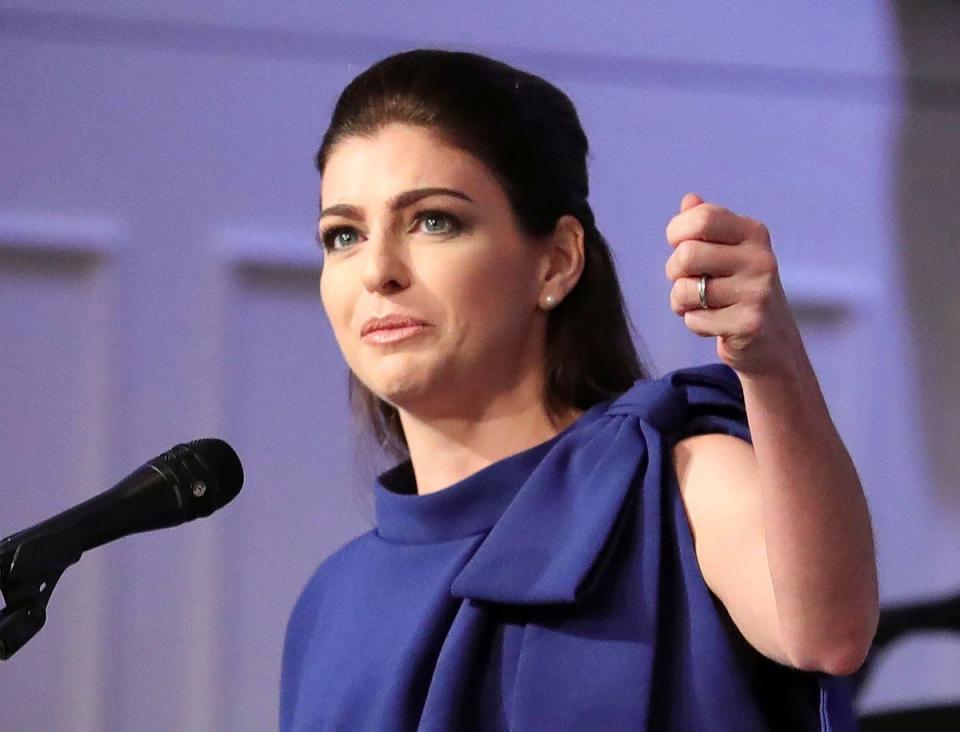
(337, 236)
(438, 222)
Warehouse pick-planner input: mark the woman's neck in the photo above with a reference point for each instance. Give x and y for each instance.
(445, 451)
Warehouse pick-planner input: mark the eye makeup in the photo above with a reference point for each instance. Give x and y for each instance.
(327, 237)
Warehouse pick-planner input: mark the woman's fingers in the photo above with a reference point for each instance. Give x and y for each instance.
(747, 309)
(693, 258)
(710, 222)
(721, 292)
(734, 321)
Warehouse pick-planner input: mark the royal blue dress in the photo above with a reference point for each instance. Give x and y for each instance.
(556, 589)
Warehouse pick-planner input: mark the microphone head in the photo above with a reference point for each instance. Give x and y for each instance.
(206, 472)
(223, 461)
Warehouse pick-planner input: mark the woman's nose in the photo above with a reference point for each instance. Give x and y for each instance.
(384, 266)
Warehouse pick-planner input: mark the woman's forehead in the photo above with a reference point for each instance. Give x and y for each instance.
(397, 158)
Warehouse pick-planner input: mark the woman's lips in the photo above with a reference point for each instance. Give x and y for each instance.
(392, 335)
(390, 320)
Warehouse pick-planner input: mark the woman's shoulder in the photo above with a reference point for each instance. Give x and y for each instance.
(335, 567)
(709, 381)
(686, 401)
(577, 494)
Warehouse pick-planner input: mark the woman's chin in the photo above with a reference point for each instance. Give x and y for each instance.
(428, 399)
(402, 390)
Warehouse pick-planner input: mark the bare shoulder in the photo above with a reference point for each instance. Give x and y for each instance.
(718, 480)
(704, 460)
(719, 483)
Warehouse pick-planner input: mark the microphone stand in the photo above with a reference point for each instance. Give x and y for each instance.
(29, 570)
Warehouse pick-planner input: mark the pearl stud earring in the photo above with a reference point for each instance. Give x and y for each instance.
(549, 301)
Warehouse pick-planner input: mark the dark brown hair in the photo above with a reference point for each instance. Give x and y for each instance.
(528, 133)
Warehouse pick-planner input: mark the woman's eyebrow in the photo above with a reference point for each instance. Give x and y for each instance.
(398, 202)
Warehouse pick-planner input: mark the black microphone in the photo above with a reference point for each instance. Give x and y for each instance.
(189, 481)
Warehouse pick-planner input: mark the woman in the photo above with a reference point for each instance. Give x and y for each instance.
(566, 543)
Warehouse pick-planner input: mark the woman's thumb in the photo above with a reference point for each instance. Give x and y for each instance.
(689, 201)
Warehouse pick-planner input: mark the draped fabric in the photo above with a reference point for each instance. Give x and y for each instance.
(556, 589)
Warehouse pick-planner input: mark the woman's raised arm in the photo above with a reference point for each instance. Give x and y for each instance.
(793, 505)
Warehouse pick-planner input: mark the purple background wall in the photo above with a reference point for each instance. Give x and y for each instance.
(158, 282)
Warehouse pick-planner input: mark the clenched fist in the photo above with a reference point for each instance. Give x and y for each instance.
(747, 309)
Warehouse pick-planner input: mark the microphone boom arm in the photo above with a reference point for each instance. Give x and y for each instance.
(29, 570)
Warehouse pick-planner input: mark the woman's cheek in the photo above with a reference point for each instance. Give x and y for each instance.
(338, 312)
(497, 312)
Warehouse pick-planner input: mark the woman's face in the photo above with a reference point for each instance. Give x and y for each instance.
(455, 259)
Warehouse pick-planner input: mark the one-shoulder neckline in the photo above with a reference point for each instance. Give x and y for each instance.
(469, 506)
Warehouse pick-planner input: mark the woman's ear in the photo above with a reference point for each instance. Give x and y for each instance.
(563, 259)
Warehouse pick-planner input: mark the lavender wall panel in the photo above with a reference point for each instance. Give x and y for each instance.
(195, 125)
